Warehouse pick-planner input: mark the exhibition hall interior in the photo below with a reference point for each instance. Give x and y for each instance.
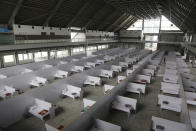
(97, 65)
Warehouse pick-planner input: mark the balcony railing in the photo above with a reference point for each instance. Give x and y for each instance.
(62, 40)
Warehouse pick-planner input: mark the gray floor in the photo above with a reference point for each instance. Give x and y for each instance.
(141, 121)
(30, 124)
(70, 109)
(193, 72)
(147, 107)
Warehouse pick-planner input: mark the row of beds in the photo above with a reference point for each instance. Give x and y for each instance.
(174, 95)
(7, 91)
(137, 85)
(42, 108)
(96, 81)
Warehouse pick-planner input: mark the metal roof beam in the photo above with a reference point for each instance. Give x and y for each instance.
(106, 19)
(52, 13)
(123, 23)
(146, 13)
(80, 11)
(121, 27)
(129, 23)
(176, 21)
(14, 13)
(115, 22)
(176, 13)
(95, 15)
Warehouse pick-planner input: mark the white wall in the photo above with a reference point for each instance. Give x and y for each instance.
(99, 33)
(78, 37)
(171, 37)
(130, 33)
(28, 30)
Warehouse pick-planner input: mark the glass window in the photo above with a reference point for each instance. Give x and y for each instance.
(136, 26)
(99, 47)
(151, 30)
(78, 37)
(102, 47)
(154, 46)
(44, 54)
(78, 50)
(91, 48)
(8, 58)
(74, 50)
(65, 53)
(151, 46)
(62, 53)
(167, 25)
(59, 53)
(75, 28)
(20, 57)
(30, 56)
(25, 56)
(81, 49)
(40, 56)
(52, 54)
(151, 25)
(37, 54)
(151, 37)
